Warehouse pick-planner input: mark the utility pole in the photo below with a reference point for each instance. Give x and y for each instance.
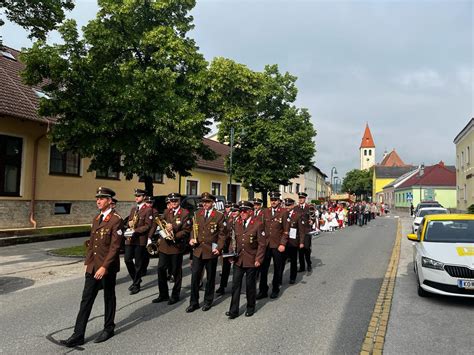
(230, 162)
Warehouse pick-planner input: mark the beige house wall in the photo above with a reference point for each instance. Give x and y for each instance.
(465, 170)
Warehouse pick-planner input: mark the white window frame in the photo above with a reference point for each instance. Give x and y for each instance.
(220, 187)
(192, 179)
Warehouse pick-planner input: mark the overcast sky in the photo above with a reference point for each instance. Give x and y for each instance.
(405, 67)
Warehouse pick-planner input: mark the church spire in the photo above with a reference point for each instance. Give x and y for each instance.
(367, 140)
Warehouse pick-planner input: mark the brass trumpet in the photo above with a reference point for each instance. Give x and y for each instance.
(162, 231)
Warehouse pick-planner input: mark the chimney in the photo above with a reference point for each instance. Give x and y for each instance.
(422, 170)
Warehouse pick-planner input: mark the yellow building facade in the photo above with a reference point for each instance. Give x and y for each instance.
(464, 142)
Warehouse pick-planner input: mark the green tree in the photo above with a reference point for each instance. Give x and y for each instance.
(274, 138)
(39, 17)
(134, 87)
(358, 182)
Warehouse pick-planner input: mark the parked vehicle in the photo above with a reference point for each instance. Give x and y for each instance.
(424, 204)
(443, 255)
(425, 211)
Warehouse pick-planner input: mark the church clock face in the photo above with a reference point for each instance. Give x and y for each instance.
(367, 159)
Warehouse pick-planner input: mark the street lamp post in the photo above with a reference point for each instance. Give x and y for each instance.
(333, 172)
(230, 163)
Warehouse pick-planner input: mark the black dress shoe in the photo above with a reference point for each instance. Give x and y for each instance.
(301, 270)
(310, 268)
(274, 295)
(135, 290)
(173, 301)
(104, 336)
(160, 299)
(262, 295)
(206, 307)
(131, 287)
(192, 308)
(73, 341)
(292, 282)
(220, 291)
(231, 315)
(249, 313)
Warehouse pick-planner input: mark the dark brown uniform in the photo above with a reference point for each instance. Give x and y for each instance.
(171, 252)
(305, 253)
(276, 234)
(103, 250)
(250, 247)
(297, 228)
(229, 225)
(210, 231)
(135, 246)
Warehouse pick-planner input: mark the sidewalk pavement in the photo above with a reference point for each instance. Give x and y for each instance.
(431, 325)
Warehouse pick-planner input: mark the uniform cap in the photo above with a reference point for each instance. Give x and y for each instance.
(258, 201)
(206, 196)
(149, 199)
(289, 201)
(274, 195)
(228, 205)
(139, 192)
(245, 205)
(302, 194)
(174, 196)
(104, 192)
(234, 207)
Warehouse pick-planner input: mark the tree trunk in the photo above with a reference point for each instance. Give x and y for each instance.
(264, 198)
(148, 180)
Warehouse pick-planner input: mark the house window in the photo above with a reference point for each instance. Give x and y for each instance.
(62, 208)
(462, 159)
(216, 188)
(285, 188)
(191, 187)
(297, 188)
(10, 165)
(468, 155)
(370, 152)
(290, 188)
(64, 163)
(157, 178)
(365, 152)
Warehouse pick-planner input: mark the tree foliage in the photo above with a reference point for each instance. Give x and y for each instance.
(273, 137)
(39, 17)
(134, 87)
(358, 182)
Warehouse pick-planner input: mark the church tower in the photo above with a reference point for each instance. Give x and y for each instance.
(367, 150)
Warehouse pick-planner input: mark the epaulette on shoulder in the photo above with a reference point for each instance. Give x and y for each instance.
(117, 215)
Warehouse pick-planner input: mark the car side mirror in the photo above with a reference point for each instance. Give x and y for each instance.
(412, 237)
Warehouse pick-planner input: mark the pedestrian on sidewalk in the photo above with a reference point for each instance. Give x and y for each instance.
(101, 266)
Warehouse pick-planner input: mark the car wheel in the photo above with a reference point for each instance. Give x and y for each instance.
(421, 292)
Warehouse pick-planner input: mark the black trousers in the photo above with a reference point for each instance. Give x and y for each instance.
(291, 255)
(134, 256)
(360, 217)
(250, 288)
(199, 265)
(89, 293)
(145, 263)
(226, 265)
(278, 264)
(173, 263)
(304, 256)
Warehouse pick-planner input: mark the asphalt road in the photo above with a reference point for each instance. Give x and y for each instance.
(325, 312)
(430, 325)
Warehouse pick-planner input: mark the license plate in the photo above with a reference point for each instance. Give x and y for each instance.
(466, 284)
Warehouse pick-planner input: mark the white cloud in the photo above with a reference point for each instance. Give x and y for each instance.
(420, 79)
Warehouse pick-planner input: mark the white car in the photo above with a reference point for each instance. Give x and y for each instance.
(422, 212)
(443, 255)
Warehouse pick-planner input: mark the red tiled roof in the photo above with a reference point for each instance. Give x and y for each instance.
(436, 175)
(367, 140)
(16, 99)
(392, 159)
(222, 152)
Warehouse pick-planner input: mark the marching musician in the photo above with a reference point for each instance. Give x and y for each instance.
(207, 239)
(178, 225)
(257, 208)
(230, 219)
(151, 232)
(140, 221)
(250, 248)
(101, 266)
(276, 237)
(304, 253)
(296, 232)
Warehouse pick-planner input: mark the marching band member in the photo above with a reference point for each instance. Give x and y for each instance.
(296, 232)
(250, 249)
(207, 239)
(304, 254)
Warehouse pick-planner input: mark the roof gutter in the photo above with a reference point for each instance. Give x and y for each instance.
(33, 179)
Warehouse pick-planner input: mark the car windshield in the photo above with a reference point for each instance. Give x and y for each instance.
(453, 231)
(423, 213)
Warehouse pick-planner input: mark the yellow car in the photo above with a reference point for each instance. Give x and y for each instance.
(443, 255)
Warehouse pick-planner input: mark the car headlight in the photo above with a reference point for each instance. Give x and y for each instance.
(431, 263)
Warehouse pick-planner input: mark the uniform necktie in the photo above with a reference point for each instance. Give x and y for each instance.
(207, 215)
(101, 218)
(245, 224)
(273, 212)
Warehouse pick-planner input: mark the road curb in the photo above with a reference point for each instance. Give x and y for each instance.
(375, 336)
(6, 241)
